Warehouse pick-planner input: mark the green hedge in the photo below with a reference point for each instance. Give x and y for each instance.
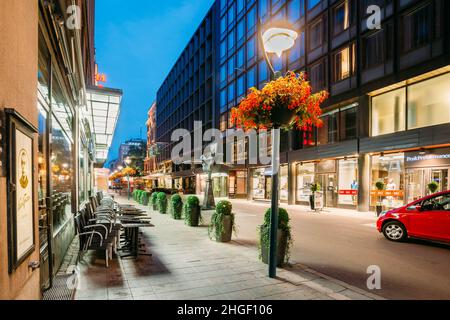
(162, 202)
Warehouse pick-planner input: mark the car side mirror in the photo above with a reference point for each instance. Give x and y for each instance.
(415, 208)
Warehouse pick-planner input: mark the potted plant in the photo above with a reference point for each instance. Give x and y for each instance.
(162, 203)
(191, 211)
(433, 186)
(286, 103)
(145, 198)
(176, 206)
(380, 186)
(222, 222)
(154, 201)
(284, 237)
(315, 187)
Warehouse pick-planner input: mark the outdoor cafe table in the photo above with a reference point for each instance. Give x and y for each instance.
(132, 237)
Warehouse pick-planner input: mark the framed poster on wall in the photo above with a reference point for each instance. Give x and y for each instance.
(20, 186)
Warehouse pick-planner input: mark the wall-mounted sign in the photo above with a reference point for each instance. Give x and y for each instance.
(387, 193)
(20, 182)
(348, 192)
(430, 158)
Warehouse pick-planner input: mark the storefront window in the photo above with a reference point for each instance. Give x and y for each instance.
(389, 112)
(42, 155)
(429, 102)
(348, 182)
(82, 190)
(262, 184)
(305, 178)
(284, 183)
(62, 171)
(388, 169)
(220, 185)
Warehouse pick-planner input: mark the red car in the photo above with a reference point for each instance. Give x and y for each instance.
(427, 218)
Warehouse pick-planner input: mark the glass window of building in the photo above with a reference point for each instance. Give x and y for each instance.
(284, 183)
(223, 99)
(251, 20)
(389, 112)
(305, 178)
(42, 154)
(317, 76)
(231, 40)
(295, 10)
(312, 3)
(388, 169)
(262, 71)
(241, 30)
(231, 93)
(231, 67)
(298, 50)
(348, 182)
(231, 14)
(223, 4)
(342, 65)
(263, 8)
(240, 59)
(240, 5)
(417, 28)
(223, 73)
(223, 24)
(223, 122)
(316, 34)
(341, 17)
(251, 78)
(223, 49)
(348, 123)
(429, 102)
(241, 86)
(373, 50)
(251, 48)
(328, 133)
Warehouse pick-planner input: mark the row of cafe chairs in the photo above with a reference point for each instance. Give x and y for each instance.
(99, 225)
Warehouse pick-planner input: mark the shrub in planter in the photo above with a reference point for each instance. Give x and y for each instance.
(312, 199)
(191, 211)
(176, 206)
(154, 201)
(134, 195)
(433, 187)
(162, 203)
(141, 196)
(145, 198)
(284, 240)
(380, 187)
(222, 222)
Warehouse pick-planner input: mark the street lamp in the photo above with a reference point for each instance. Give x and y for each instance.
(275, 40)
(128, 162)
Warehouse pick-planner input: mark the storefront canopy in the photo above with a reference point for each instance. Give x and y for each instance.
(103, 113)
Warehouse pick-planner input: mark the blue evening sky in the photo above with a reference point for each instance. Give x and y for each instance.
(137, 42)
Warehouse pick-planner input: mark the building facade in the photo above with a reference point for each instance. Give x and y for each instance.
(46, 69)
(152, 148)
(387, 118)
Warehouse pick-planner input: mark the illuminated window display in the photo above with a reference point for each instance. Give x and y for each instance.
(305, 178)
(388, 169)
(284, 183)
(348, 182)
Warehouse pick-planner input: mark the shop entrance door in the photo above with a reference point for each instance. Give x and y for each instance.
(328, 183)
(418, 180)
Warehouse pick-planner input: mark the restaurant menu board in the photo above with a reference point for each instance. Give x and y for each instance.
(24, 194)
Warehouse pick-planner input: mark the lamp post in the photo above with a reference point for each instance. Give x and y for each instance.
(275, 40)
(128, 162)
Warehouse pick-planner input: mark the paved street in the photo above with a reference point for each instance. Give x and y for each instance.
(187, 265)
(342, 245)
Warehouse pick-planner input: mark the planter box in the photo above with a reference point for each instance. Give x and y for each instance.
(227, 230)
(195, 217)
(281, 249)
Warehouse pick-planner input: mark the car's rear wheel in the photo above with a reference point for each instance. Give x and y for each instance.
(395, 231)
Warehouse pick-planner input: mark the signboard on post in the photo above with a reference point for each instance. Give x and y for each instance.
(318, 200)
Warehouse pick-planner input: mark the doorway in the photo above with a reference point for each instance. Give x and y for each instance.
(329, 186)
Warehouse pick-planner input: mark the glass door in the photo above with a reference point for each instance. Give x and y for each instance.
(328, 183)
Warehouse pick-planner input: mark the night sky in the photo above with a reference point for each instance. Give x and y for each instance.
(137, 42)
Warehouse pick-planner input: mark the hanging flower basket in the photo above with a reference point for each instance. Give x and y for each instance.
(286, 103)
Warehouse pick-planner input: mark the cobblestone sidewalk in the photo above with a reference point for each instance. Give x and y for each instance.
(187, 265)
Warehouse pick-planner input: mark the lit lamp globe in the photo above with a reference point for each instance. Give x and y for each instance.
(128, 161)
(278, 40)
